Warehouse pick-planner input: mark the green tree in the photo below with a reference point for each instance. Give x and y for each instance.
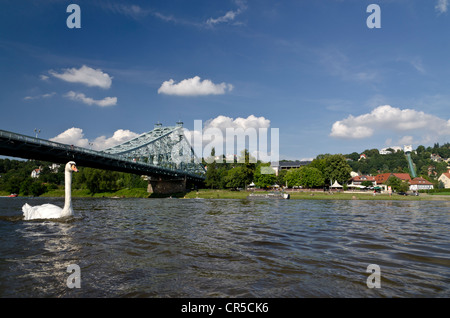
(310, 177)
(236, 177)
(293, 178)
(281, 177)
(13, 184)
(333, 167)
(264, 176)
(92, 180)
(397, 184)
(212, 175)
(37, 188)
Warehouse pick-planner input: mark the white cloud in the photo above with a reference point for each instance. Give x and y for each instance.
(105, 102)
(441, 6)
(391, 119)
(119, 136)
(75, 136)
(214, 135)
(213, 128)
(85, 75)
(48, 95)
(132, 11)
(229, 15)
(72, 136)
(193, 87)
(223, 122)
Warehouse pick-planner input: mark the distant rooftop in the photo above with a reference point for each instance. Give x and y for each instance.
(291, 164)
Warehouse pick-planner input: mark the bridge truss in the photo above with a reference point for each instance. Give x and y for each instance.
(164, 147)
(162, 152)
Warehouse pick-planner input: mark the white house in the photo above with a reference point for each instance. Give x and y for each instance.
(386, 150)
(35, 173)
(445, 179)
(419, 183)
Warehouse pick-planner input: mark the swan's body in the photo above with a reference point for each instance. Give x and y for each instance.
(51, 211)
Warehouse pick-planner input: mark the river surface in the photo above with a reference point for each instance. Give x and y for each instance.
(227, 248)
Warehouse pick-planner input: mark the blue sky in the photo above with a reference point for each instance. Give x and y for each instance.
(313, 69)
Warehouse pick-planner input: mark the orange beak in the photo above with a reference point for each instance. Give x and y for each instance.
(74, 168)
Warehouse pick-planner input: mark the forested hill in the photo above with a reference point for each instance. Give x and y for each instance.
(376, 163)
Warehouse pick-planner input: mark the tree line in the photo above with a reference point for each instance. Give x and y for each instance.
(325, 169)
(322, 171)
(15, 177)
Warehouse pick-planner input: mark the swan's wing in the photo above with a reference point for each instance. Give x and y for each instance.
(44, 211)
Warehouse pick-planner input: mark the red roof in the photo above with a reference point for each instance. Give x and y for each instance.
(403, 176)
(382, 178)
(420, 180)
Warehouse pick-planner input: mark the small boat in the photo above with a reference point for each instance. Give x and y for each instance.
(12, 195)
(270, 195)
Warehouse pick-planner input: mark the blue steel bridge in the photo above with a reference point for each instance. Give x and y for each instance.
(163, 154)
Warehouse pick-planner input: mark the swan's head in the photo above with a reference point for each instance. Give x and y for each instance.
(71, 167)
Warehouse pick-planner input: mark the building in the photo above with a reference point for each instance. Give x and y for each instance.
(357, 180)
(35, 173)
(436, 157)
(445, 179)
(387, 150)
(286, 165)
(419, 183)
(382, 178)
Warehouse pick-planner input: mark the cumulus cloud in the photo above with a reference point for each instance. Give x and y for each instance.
(194, 87)
(72, 136)
(119, 136)
(223, 122)
(391, 119)
(75, 136)
(105, 102)
(441, 6)
(213, 134)
(85, 75)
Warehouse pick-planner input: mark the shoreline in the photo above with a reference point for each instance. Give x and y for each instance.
(228, 194)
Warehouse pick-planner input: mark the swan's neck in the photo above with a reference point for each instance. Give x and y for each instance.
(68, 189)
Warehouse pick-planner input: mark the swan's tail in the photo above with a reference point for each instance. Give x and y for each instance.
(26, 209)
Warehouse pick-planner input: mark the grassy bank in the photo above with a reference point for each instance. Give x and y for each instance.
(226, 194)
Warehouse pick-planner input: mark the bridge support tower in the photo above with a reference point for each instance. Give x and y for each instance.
(160, 185)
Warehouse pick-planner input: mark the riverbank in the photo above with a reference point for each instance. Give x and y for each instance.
(228, 194)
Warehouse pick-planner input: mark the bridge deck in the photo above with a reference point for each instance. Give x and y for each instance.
(17, 145)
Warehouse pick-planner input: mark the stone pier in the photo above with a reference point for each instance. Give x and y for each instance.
(159, 185)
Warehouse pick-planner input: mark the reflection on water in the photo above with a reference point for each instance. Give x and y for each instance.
(227, 248)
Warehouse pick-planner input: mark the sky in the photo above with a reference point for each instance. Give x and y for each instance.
(314, 70)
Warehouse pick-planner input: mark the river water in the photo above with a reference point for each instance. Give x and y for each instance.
(227, 248)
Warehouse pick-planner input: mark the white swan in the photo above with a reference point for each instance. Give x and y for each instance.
(50, 211)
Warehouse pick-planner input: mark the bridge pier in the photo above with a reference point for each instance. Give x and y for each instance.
(166, 185)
